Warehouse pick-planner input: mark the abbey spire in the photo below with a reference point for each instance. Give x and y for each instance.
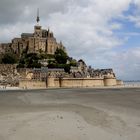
(38, 18)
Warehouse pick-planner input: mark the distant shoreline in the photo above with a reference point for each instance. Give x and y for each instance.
(132, 81)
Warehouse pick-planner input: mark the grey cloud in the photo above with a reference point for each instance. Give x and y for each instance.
(12, 11)
(125, 63)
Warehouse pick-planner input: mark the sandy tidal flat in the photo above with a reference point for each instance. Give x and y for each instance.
(70, 114)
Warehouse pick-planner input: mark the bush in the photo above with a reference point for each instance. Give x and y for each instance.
(29, 61)
(9, 58)
(61, 56)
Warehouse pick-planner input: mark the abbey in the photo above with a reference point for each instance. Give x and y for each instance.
(40, 40)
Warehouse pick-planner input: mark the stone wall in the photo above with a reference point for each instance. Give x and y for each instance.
(31, 84)
(68, 83)
(120, 82)
(80, 82)
(110, 82)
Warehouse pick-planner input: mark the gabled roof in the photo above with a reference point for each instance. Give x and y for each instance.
(27, 35)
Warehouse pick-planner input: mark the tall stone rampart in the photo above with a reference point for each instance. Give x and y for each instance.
(32, 84)
(110, 81)
(80, 82)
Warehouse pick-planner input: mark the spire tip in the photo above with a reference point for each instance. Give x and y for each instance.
(38, 18)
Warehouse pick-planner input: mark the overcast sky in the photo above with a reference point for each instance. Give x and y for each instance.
(104, 33)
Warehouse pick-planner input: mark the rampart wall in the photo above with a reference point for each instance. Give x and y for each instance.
(120, 82)
(80, 82)
(68, 83)
(32, 84)
(110, 81)
(51, 82)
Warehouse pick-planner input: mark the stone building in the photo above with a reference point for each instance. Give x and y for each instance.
(40, 40)
(5, 48)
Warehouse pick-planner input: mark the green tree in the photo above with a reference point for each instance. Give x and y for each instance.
(67, 68)
(73, 62)
(29, 61)
(61, 56)
(9, 58)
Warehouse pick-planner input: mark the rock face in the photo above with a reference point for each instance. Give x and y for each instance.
(8, 75)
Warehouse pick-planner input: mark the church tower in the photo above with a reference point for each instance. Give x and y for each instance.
(38, 18)
(37, 28)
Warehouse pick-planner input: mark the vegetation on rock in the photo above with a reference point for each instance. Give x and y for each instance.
(29, 61)
(32, 60)
(9, 58)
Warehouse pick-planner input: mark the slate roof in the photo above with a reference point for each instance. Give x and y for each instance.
(27, 34)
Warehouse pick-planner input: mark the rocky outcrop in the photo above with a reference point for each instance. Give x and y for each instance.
(8, 75)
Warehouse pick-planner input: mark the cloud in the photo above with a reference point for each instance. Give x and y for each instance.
(128, 64)
(135, 19)
(14, 11)
(125, 63)
(88, 27)
(134, 16)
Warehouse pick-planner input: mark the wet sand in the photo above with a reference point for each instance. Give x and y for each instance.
(70, 114)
